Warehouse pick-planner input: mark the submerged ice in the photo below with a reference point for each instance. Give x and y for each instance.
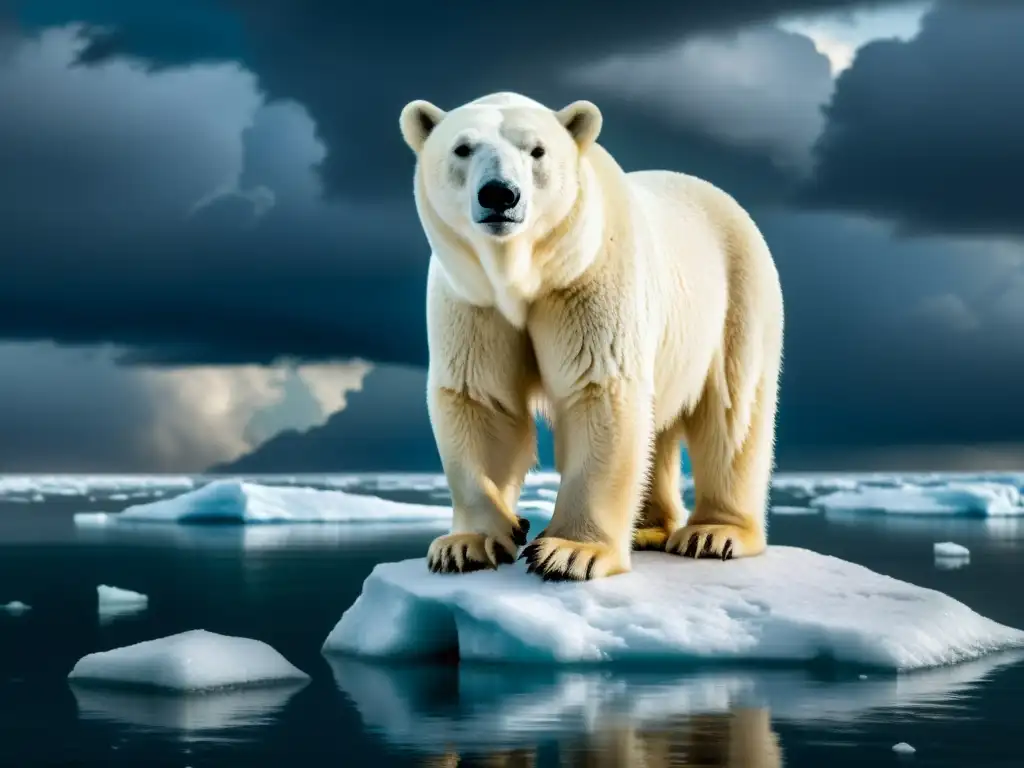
(188, 662)
(788, 605)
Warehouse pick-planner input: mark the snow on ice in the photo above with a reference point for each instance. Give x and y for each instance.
(238, 501)
(951, 549)
(788, 605)
(188, 662)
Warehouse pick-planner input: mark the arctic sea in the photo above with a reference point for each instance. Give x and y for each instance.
(288, 584)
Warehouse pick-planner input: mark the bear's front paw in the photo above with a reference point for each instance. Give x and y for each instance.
(564, 560)
(714, 542)
(468, 552)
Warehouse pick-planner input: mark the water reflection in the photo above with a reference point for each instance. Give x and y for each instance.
(597, 717)
(742, 738)
(111, 612)
(191, 716)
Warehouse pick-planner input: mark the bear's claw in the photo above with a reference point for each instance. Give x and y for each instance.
(713, 542)
(556, 559)
(469, 552)
(520, 532)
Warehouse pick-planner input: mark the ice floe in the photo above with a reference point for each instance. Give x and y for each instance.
(238, 501)
(788, 605)
(187, 662)
(114, 602)
(977, 499)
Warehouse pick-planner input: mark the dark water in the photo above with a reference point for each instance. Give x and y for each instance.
(288, 585)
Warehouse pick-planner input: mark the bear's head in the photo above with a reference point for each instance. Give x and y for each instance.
(502, 165)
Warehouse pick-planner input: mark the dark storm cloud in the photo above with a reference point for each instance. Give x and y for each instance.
(354, 68)
(225, 182)
(927, 132)
(178, 213)
(103, 162)
(45, 421)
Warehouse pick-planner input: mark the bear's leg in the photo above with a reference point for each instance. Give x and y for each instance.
(732, 460)
(486, 451)
(603, 437)
(663, 509)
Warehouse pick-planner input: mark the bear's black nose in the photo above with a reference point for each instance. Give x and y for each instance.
(498, 195)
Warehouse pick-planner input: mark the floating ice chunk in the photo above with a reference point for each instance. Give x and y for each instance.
(209, 711)
(953, 498)
(786, 605)
(93, 518)
(786, 510)
(495, 709)
(237, 501)
(809, 486)
(115, 602)
(191, 661)
(951, 549)
(903, 748)
(16, 608)
(111, 596)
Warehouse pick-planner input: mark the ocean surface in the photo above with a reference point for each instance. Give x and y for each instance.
(288, 585)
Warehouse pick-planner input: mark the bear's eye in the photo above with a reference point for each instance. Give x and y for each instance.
(463, 150)
(537, 152)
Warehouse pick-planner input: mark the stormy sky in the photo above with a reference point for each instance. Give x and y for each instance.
(207, 234)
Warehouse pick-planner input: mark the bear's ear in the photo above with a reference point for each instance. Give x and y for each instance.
(582, 120)
(418, 119)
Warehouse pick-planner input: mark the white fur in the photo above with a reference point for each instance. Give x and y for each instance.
(640, 309)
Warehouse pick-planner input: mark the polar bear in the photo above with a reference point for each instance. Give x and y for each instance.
(635, 310)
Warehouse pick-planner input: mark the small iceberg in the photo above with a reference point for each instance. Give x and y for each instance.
(237, 501)
(188, 662)
(975, 499)
(903, 748)
(240, 502)
(114, 602)
(951, 549)
(788, 605)
(15, 608)
(950, 556)
(788, 510)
